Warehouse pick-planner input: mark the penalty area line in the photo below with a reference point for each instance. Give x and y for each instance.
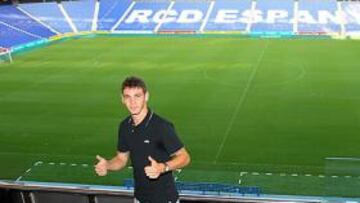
(242, 173)
(53, 164)
(176, 178)
(254, 173)
(28, 170)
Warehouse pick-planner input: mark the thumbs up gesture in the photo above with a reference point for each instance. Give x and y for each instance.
(101, 166)
(154, 170)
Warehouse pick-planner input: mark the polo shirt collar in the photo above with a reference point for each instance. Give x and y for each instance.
(145, 122)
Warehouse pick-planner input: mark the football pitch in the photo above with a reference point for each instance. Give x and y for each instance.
(282, 114)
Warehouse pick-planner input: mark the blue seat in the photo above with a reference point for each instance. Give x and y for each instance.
(50, 14)
(271, 11)
(10, 37)
(12, 16)
(81, 13)
(311, 23)
(110, 12)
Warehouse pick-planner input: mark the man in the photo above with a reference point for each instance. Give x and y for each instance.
(152, 145)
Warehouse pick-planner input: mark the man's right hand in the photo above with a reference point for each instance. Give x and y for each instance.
(101, 167)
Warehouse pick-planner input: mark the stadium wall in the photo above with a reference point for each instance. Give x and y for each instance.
(40, 192)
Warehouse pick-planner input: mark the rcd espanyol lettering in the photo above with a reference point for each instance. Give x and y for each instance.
(164, 16)
(223, 16)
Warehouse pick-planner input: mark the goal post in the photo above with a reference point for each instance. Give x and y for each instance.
(5, 55)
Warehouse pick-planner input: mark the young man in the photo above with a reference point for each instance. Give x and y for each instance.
(152, 145)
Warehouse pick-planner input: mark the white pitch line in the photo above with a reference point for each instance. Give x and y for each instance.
(19, 178)
(29, 170)
(343, 158)
(243, 173)
(63, 164)
(178, 173)
(38, 163)
(241, 101)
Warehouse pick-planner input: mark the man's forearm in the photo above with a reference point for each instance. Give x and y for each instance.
(115, 164)
(179, 160)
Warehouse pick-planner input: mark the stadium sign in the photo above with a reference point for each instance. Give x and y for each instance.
(227, 16)
(164, 16)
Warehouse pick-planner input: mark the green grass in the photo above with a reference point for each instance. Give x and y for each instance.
(239, 105)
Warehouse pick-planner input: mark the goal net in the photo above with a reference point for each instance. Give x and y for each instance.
(5, 55)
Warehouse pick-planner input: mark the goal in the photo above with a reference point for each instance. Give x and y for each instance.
(5, 55)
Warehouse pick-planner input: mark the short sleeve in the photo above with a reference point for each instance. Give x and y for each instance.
(123, 145)
(171, 141)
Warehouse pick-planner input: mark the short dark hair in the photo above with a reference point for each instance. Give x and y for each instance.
(132, 82)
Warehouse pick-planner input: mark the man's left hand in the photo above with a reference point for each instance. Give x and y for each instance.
(154, 170)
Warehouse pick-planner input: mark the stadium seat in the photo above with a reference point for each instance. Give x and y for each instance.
(10, 37)
(12, 16)
(277, 15)
(48, 13)
(147, 9)
(190, 22)
(315, 18)
(81, 13)
(218, 23)
(110, 12)
(352, 18)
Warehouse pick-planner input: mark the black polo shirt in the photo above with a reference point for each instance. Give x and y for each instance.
(157, 138)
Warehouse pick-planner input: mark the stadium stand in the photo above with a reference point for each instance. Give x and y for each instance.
(12, 16)
(225, 15)
(33, 21)
(317, 16)
(81, 12)
(110, 12)
(143, 16)
(277, 15)
(17, 36)
(351, 16)
(50, 14)
(186, 16)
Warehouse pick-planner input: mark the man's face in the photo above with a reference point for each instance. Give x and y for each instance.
(135, 99)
